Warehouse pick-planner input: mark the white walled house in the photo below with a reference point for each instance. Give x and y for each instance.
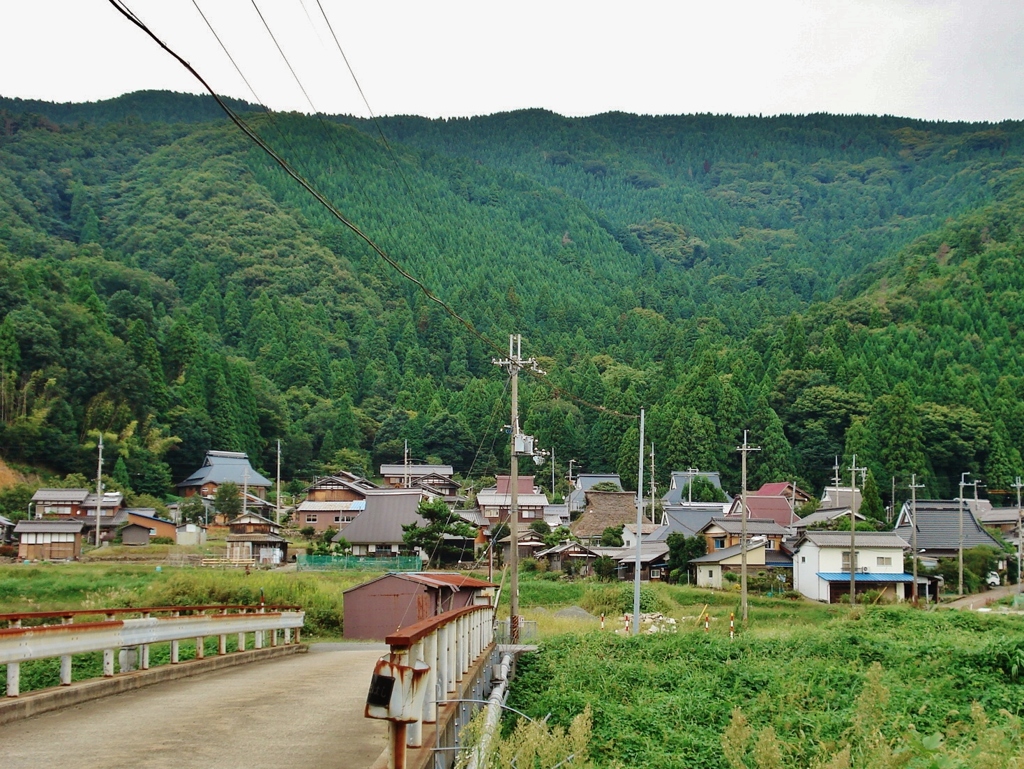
(821, 564)
(710, 568)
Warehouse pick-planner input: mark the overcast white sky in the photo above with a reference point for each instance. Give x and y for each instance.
(937, 59)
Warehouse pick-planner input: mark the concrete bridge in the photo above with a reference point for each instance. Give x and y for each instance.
(303, 710)
(290, 706)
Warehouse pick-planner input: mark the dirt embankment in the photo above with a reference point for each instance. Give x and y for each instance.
(9, 477)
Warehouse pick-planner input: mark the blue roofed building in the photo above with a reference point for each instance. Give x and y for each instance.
(222, 467)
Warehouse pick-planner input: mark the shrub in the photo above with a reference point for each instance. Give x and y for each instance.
(528, 564)
(161, 541)
(8, 551)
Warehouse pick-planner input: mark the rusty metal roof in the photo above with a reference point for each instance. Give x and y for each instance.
(436, 579)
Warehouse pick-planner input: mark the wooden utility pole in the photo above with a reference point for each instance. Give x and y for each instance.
(914, 486)
(514, 362)
(744, 450)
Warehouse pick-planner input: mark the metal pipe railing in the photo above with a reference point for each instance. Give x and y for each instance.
(433, 655)
(20, 644)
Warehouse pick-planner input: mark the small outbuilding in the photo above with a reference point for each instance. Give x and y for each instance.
(191, 534)
(135, 534)
(375, 609)
(49, 540)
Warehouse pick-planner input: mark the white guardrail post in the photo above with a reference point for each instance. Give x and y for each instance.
(24, 644)
(427, 661)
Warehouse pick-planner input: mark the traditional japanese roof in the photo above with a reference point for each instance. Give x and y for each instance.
(647, 528)
(881, 539)
(717, 556)
(1000, 516)
(48, 527)
(500, 495)
(415, 471)
(604, 509)
(938, 526)
(381, 523)
(6, 521)
(682, 478)
(649, 551)
(777, 509)
(341, 479)
(223, 467)
(256, 537)
(755, 526)
(824, 516)
(60, 495)
(687, 520)
(841, 496)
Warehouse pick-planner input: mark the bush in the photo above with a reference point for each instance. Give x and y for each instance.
(528, 564)
(161, 541)
(8, 551)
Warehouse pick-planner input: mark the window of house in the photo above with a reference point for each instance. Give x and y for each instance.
(884, 560)
(337, 519)
(711, 574)
(719, 543)
(770, 545)
(655, 573)
(846, 561)
(310, 517)
(803, 559)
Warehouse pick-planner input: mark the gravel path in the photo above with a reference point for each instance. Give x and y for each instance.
(304, 710)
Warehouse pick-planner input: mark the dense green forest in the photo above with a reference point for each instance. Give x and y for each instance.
(836, 285)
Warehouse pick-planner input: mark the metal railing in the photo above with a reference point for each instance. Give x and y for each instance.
(427, 665)
(27, 637)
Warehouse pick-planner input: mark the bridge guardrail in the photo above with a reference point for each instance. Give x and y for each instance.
(19, 644)
(427, 663)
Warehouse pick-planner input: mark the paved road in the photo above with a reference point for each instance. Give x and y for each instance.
(304, 711)
(980, 600)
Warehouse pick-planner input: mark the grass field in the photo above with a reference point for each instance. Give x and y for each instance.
(803, 685)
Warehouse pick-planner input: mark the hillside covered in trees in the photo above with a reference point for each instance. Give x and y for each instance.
(836, 285)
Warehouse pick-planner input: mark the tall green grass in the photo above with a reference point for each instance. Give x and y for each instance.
(667, 700)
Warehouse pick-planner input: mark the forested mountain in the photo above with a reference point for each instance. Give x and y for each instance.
(836, 285)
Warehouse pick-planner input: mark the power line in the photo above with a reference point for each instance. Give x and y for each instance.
(255, 137)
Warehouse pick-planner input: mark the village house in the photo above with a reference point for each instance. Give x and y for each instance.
(495, 502)
(821, 565)
(255, 538)
(584, 482)
(191, 534)
(678, 488)
(377, 531)
(6, 530)
(604, 509)
(787, 489)
(1007, 520)
(402, 476)
(332, 502)
(938, 528)
(778, 509)
(530, 544)
(221, 467)
(824, 518)
(711, 568)
(723, 533)
(559, 557)
(157, 527)
(653, 560)
(45, 540)
(841, 496)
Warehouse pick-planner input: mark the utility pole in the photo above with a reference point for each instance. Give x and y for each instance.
(744, 450)
(691, 473)
(245, 492)
(553, 472)
(99, 489)
(1020, 581)
(277, 496)
(639, 529)
(914, 486)
(853, 531)
(405, 466)
(960, 541)
(652, 485)
(514, 362)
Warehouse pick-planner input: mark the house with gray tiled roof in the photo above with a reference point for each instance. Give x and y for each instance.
(221, 467)
(938, 527)
(681, 479)
(584, 482)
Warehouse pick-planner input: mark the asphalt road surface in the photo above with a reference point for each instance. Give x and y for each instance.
(304, 711)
